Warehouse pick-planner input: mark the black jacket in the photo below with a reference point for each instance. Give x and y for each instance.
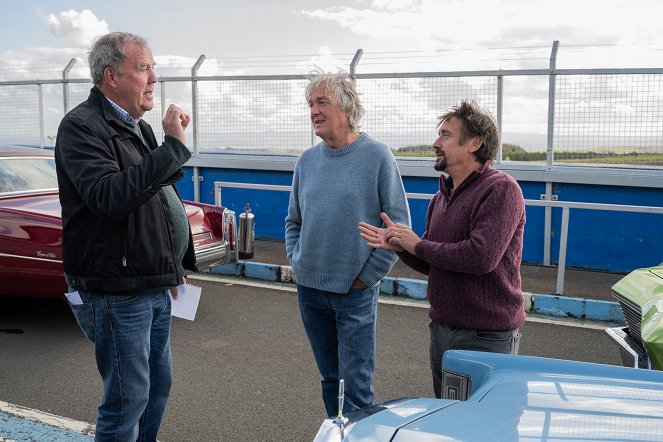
(116, 221)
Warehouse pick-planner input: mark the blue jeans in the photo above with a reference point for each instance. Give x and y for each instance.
(131, 336)
(341, 330)
(443, 338)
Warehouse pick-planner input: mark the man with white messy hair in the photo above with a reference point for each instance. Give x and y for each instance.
(346, 178)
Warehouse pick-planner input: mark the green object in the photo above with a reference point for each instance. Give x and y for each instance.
(643, 288)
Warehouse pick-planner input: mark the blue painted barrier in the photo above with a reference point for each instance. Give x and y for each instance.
(550, 305)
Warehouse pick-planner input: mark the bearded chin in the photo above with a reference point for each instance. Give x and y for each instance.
(440, 165)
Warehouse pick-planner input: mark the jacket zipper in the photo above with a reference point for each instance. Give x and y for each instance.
(124, 247)
(124, 242)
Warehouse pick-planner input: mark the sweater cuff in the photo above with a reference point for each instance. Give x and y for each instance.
(420, 249)
(370, 277)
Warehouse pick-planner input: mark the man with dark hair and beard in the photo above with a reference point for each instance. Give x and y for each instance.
(471, 249)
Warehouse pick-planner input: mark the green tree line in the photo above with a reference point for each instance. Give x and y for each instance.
(514, 152)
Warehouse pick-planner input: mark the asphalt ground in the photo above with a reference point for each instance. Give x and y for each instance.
(586, 284)
(243, 370)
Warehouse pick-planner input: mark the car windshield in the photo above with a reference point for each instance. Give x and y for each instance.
(27, 174)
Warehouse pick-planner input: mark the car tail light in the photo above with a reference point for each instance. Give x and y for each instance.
(213, 218)
(229, 227)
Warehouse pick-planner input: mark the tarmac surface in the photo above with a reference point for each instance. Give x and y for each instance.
(586, 284)
(243, 370)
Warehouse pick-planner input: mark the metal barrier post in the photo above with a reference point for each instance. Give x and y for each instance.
(163, 98)
(41, 115)
(354, 63)
(547, 224)
(551, 103)
(194, 116)
(65, 84)
(500, 103)
(561, 265)
(549, 151)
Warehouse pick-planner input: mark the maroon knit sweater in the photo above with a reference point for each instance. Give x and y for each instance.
(471, 251)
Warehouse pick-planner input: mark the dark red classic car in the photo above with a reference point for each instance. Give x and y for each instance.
(31, 226)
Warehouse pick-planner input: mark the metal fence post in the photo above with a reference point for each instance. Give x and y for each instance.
(163, 98)
(500, 103)
(194, 116)
(41, 115)
(547, 225)
(549, 151)
(194, 100)
(65, 84)
(354, 63)
(563, 240)
(551, 103)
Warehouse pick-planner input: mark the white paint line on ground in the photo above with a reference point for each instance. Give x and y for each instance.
(46, 418)
(391, 300)
(285, 287)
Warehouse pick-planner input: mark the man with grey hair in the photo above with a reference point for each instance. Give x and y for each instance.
(126, 237)
(346, 178)
(472, 246)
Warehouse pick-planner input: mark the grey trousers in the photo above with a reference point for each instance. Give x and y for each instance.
(443, 338)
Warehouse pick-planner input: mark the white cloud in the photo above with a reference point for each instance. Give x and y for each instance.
(324, 60)
(393, 5)
(42, 63)
(79, 28)
(462, 24)
(375, 23)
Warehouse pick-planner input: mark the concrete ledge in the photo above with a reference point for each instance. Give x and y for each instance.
(577, 308)
(19, 423)
(550, 305)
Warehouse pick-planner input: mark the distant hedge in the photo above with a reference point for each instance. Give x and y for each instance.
(514, 152)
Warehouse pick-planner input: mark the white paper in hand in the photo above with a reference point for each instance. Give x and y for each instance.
(186, 304)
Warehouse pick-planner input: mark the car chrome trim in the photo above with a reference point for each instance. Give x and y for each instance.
(218, 248)
(639, 356)
(7, 255)
(29, 157)
(203, 235)
(211, 255)
(456, 386)
(30, 192)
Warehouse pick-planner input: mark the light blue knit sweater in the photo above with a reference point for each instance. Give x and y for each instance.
(332, 191)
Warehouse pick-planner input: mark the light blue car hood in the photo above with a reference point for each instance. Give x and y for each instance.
(518, 398)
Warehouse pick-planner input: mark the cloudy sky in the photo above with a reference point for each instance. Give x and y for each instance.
(591, 32)
(39, 37)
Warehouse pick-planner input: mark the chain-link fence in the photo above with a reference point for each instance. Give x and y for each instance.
(402, 111)
(611, 117)
(21, 108)
(258, 115)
